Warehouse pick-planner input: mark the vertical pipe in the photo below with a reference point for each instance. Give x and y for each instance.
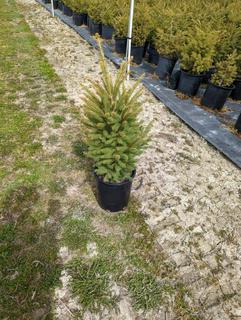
(129, 38)
(52, 7)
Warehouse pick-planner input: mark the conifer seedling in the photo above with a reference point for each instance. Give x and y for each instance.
(114, 134)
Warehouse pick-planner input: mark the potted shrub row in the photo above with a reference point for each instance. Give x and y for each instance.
(199, 35)
(114, 135)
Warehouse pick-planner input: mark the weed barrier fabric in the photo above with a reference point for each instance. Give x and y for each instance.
(208, 125)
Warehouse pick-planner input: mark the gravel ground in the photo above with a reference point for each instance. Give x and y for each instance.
(190, 194)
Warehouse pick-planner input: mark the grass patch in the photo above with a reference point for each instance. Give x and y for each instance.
(91, 284)
(145, 291)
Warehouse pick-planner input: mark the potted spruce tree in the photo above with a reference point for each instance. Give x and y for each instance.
(196, 53)
(79, 8)
(221, 84)
(114, 135)
(141, 30)
(166, 42)
(94, 13)
(108, 14)
(121, 27)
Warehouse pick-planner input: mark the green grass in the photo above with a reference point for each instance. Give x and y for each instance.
(91, 284)
(29, 265)
(129, 255)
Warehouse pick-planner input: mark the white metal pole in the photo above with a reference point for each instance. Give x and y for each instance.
(52, 7)
(129, 37)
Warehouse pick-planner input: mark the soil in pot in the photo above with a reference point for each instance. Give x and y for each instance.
(238, 124)
(120, 45)
(113, 196)
(153, 55)
(67, 11)
(165, 67)
(107, 32)
(78, 18)
(137, 53)
(215, 96)
(189, 83)
(94, 27)
(236, 93)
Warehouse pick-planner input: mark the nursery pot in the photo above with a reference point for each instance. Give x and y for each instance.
(215, 96)
(137, 53)
(153, 56)
(113, 196)
(78, 18)
(189, 83)
(67, 11)
(236, 93)
(120, 45)
(107, 32)
(146, 46)
(238, 124)
(94, 27)
(56, 4)
(60, 5)
(165, 67)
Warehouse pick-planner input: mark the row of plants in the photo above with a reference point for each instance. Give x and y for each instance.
(114, 137)
(203, 36)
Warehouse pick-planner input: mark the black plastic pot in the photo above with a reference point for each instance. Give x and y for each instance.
(60, 5)
(189, 83)
(137, 53)
(56, 4)
(236, 93)
(165, 67)
(113, 196)
(46, 1)
(107, 32)
(94, 27)
(146, 46)
(215, 96)
(67, 10)
(153, 56)
(120, 45)
(88, 21)
(238, 124)
(174, 79)
(79, 18)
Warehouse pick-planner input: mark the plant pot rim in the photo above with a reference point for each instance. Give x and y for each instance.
(120, 38)
(100, 178)
(166, 57)
(221, 87)
(200, 75)
(107, 25)
(136, 47)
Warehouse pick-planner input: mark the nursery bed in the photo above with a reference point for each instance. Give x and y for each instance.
(211, 126)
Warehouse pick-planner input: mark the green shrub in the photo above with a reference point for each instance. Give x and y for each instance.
(79, 5)
(197, 49)
(226, 71)
(95, 8)
(166, 36)
(108, 13)
(121, 20)
(113, 133)
(141, 23)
